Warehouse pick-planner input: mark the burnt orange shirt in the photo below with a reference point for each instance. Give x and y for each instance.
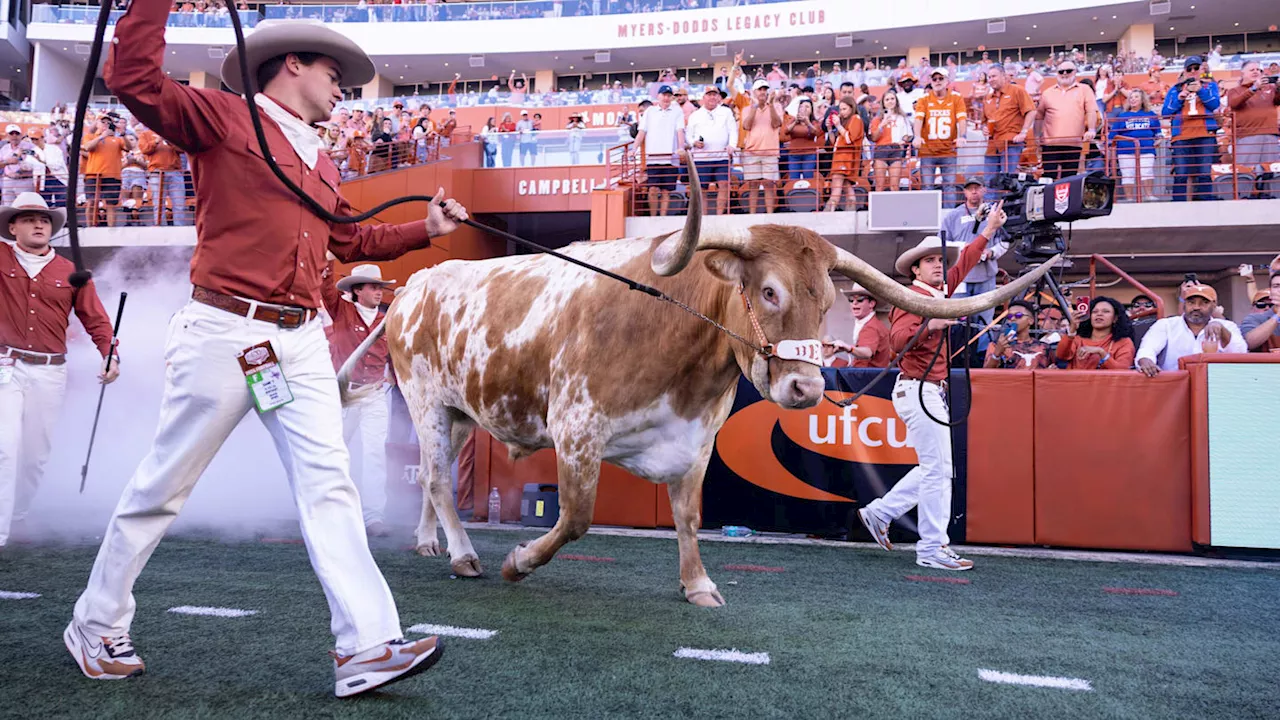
(940, 121)
(254, 238)
(107, 158)
(348, 331)
(1255, 111)
(1065, 114)
(34, 311)
(161, 155)
(874, 335)
(1005, 111)
(1121, 352)
(903, 325)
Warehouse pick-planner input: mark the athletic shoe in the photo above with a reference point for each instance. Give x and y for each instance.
(102, 658)
(384, 664)
(377, 528)
(879, 529)
(944, 559)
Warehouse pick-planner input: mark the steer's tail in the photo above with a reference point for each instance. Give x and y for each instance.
(348, 395)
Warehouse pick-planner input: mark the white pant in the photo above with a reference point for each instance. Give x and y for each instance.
(29, 405)
(928, 485)
(366, 422)
(205, 397)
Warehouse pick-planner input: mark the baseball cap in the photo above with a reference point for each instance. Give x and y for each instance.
(713, 89)
(973, 180)
(761, 83)
(908, 75)
(938, 71)
(524, 112)
(11, 128)
(1203, 291)
(36, 133)
(665, 90)
(1260, 295)
(1193, 60)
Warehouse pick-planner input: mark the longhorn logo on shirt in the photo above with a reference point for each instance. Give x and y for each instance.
(1061, 197)
(867, 432)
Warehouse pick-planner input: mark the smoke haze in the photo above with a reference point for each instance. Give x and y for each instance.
(242, 493)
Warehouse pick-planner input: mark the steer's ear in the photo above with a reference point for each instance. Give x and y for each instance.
(726, 266)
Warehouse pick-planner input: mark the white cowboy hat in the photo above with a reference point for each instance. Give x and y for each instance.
(858, 289)
(363, 275)
(931, 245)
(275, 38)
(30, 202)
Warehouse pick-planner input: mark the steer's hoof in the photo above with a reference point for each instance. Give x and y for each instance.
(705, 598)
(467, 566)
(509, 571)
(430, 548)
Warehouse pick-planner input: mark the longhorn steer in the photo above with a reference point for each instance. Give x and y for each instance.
(544, 354)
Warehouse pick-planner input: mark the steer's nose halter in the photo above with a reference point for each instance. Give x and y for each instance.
(808, 351)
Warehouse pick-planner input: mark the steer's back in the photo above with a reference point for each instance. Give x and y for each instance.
(494, 339)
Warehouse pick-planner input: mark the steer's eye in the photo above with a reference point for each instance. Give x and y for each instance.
(770, 295)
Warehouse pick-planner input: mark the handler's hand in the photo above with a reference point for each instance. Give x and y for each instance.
(444, 220)
(107, 377)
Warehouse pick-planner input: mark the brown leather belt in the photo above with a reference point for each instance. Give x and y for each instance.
(285, 316)
(31, 358)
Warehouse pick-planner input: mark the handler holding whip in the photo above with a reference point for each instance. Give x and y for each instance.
(250, 337)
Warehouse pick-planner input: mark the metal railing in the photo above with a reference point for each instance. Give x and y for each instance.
(466, 11)
(1171, 169)
(549, 147)
(88, 15)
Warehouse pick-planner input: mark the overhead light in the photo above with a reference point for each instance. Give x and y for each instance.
(751, 56)
(1113, 17)
(446, 64)
(817, 52)
(693, 60)
(1095, 17)
(633, 64)
(1170, 28)
(954, 42)
(1035, 27)
(385, 65)
(1028, 37)
(401, 77)
(1103, 33)
(1193, 7)
(1237, 24)
(173, 52)
(570, 67)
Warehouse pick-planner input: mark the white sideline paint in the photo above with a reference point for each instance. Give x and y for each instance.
(1061, 683)
(760, 658)
(212, 611)
(451, 631)
(6, 595)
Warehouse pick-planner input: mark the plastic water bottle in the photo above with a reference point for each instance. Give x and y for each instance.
(736, 531)
(495, 507)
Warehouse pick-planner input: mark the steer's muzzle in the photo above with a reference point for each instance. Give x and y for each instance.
(798, 389)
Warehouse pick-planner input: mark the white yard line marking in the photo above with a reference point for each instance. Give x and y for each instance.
(1061, 683)
(759, 658)
(6, 595)
(212, 611)
(451, 631)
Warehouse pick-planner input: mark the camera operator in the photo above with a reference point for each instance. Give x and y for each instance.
(1192, 103)
(1253, 102)
(1191, 333)
(963, 224)
(19, 172)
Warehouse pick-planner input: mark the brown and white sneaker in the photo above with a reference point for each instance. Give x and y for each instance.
(102, 658)
(384, 664)
(944, 558)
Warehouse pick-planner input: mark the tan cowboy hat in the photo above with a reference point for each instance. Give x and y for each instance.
(858, 289)
(273, 38)
(931, 245)
(363, 275)
(30, 202)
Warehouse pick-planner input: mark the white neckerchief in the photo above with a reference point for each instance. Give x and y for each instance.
(935, 292)
(31, 262)
(300, 135)
(367, 314)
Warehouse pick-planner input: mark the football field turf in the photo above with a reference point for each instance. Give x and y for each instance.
(847, 631)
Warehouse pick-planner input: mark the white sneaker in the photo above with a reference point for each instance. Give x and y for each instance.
(102, 658)
(879, 529)
(944, 559)
(383, 664)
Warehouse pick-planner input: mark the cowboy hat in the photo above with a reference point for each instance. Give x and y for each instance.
(272, 39)
(30, 202)
(363, 275)
(858, 289)
(931, 245)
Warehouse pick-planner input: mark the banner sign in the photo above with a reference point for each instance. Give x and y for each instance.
(808, 471)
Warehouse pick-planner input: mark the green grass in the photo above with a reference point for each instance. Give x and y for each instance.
(847, 634)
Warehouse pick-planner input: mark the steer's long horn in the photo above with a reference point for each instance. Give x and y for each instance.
(675, 252)
(887, 289)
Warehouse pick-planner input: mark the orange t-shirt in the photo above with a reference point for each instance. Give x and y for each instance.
(107, 158)
(1121, 352)
(161, 156)
(941, 118)
(1004, 111)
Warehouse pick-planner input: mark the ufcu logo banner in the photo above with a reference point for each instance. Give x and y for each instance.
(867, 432)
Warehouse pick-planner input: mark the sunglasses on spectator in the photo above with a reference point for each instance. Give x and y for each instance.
(1066, 72)
(1017, 315)
(1262, 304)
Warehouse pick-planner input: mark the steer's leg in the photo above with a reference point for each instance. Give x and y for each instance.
(462, 556)
(686, 508)
(578, 464)
(434, 424)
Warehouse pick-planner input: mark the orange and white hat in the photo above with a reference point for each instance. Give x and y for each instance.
(1203, 291)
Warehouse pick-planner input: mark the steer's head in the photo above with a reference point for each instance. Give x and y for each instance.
(784, 273)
